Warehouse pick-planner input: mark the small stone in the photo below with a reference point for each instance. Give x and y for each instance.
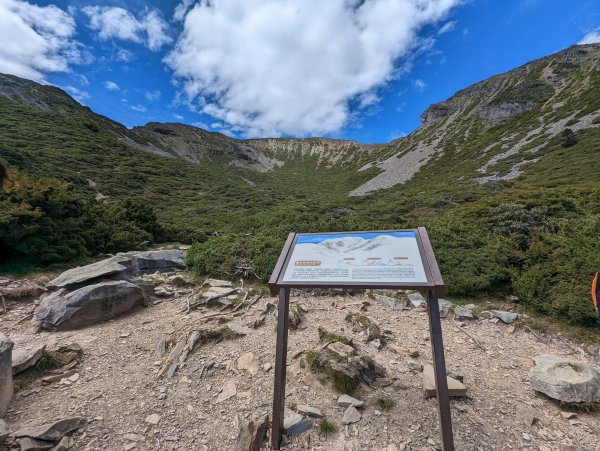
(73, 378)
(229, 390)
(568, 415)
(505, 317)
(267, 366)
(347, 400)
(134, 437)
(375, 343)
(413, 364)
(526, 415)
(309, 411)
(445, 307)
(417, 300)
(377, 413)
(351, 415)
(129, 446)
(125, 334)
(185, 380)
(153, 419)
(526, 436)
(248, 362)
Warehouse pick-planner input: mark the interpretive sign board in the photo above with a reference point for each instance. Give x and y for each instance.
(365, 257)
(395, 259)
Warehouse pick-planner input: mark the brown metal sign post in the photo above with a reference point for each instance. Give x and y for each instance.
(396, 259)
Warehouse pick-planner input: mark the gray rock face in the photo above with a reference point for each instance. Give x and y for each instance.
(495, 113)
(347, 400)
(24, 358)
(6, 375)
(88, 305)
(389, 301)
(565, 380)
(123, 266)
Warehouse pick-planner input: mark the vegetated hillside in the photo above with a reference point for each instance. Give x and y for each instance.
(511, 199)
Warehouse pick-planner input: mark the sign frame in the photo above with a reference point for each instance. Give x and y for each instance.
(433, 288)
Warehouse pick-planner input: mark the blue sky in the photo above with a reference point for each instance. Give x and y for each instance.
(303, 239)
(362, 70)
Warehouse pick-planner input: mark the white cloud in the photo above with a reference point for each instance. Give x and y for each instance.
(591, 37)
(123, 55)
(179, 117)
(420, 84)
(152, 96)
(139, 108)
(113, 22)
(447, 27)
(36, 40)
(111, 85)
(77, 94)
(182, 9)
(266, 67)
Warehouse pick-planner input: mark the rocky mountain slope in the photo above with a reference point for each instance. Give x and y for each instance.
(497, 129)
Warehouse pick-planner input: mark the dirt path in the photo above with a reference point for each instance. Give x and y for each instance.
(118, 387)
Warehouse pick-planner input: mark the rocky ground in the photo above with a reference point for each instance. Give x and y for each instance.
(128, 405)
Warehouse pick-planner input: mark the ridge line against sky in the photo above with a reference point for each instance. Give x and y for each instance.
(354, 69)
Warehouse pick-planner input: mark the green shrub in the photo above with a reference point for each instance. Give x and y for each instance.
(558, 269)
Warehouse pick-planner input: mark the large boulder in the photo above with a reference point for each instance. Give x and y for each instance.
(6, 375)
(123, 266)
(565, 380)
(88, 305)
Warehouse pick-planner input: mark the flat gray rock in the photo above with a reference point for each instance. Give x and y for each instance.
(3, 430)
(389, 301)
(152, 261)
(505, 317)
(455, 387)
(88, 305)
(347, 400)
(310, 411)
(25, 358)
(32, 444)
(6, 374)
(565, 380)
(464, 311)
(88, 273)
(294, 423)
(52, 431)
(122, 266)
